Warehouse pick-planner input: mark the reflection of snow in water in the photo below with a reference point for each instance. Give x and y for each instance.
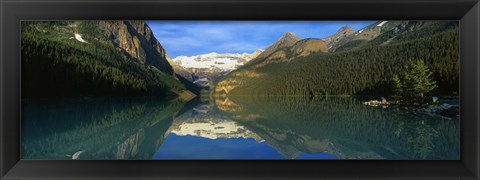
(213, 130)
(204, 111)
(76, 155)
(204, 122)
(201, 80)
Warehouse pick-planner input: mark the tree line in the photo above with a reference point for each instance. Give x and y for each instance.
(362, 71)
(55, 65)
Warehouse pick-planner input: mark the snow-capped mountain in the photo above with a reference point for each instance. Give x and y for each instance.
(204, 69)
(224, 62)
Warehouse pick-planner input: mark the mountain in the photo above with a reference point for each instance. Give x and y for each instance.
(301, 48)
(255, 54)
(287, 47)
(343, 32)
(385, 32)
(365, 34)
(224, 62)
(205, 69)
(135, 39)
(362, 63)
(308, 46)
(287, 40)
(96, 58)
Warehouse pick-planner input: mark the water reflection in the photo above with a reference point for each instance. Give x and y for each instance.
(203, 121)
(232, 128)
(99, 128)
(343, 127)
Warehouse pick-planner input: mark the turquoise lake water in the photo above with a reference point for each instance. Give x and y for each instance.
(232, 128)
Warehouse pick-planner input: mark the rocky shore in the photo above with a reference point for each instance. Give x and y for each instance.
(448, 109)
(444, 110)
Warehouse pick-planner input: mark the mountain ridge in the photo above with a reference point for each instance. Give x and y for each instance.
(358, 64)
(341, 33)
(204, 69)
(96, 58)
(286, 40)
(136, 39)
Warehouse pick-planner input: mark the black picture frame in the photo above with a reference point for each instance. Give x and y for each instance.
(13, 11)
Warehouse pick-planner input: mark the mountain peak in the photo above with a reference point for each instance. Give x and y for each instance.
(346, 27)
(341, 33)
(287, 39)
(289, 35)
(258, 51)
(345, 30)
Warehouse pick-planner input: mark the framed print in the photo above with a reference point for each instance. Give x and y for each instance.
(94, 90)
(239, 89)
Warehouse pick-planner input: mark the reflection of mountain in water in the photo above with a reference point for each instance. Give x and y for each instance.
(102, 129)
(136, 128)
(343, 127)
(203, 121)
(288, 143)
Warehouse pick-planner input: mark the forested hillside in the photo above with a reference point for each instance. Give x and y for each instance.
(363, 70)
(96, 58)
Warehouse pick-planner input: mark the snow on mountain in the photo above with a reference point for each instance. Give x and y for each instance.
(79, 38)
(360, 31)
(204, 69)
(225, 62)
(382, 23)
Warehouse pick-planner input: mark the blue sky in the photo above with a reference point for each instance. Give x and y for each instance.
(190, 38)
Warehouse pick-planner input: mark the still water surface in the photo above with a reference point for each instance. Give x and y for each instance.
(232, 128)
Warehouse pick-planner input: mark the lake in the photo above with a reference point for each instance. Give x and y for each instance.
(232, 128)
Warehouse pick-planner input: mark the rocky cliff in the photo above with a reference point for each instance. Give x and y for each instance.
(97, 58)
(136, 39)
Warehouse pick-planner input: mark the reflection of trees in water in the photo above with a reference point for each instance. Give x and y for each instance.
(423, 141)
(135, 129)
(104, 129)
(346, 128)
(420, 138)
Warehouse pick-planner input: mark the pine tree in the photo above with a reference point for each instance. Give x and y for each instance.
(415, 83)
(396, 88)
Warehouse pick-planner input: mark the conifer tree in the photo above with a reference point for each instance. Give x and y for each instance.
(416, 82)
(397, 88)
